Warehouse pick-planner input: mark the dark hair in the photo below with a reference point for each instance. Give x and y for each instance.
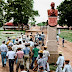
(21, 66)
(3, 42)
(40, 54)
(60, 54)
(20, 42)
(23, 41)
(57, 34)
(63, 37)
(31, 39)
(31, 32)
(42, 32)
(27, 35)
(45, 48)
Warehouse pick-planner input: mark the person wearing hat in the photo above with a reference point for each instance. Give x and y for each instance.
(35, 54)
(46, 54)
(26, 55)
(60, 62)
(3, 49)
(67, 67)
(8, 41)
(11, 56)
(13, 39)
(19, 57)
(41, 61)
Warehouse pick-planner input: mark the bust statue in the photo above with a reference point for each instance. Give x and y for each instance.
(52, 11)
(52, 15)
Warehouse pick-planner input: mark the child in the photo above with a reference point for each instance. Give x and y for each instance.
(57, 37)
(67, 67)
(63, 42)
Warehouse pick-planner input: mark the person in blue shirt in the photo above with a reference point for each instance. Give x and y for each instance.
(26, 55)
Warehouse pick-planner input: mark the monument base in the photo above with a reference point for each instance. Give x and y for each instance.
(53, 58)
(52, 44)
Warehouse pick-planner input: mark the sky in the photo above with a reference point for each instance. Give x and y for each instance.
(42, 6)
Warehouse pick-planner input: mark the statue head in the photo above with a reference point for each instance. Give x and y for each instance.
(52, 5)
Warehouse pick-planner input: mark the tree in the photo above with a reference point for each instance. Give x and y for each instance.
(2, 3)
(65, 13)
(20, 10)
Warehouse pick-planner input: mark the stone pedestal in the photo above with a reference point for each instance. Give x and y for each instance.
(52, 44)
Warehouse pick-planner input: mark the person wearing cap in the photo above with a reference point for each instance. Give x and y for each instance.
(67, 67)
(26, 55)
(3, 49)
(16, 41)
(41, 61)
(35, 54)
(46, 54)
(11, 56)
(8, 41)
(60, 62)
(13, 39)
(19, 57)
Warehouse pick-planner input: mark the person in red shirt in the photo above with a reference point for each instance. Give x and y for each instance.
(19, 56)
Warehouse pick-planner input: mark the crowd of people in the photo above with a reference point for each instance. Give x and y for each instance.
(26, 52)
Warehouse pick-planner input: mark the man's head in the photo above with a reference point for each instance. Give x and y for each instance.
(60, 53)
(31, 39)
(3, 42)
(22, 67)
(10, 48)
(67, 61)
(52, 5)
(45, 47)
(42, 32)
(20, 42)
(19, 49)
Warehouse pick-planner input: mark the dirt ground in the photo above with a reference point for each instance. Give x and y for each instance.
(67, 50)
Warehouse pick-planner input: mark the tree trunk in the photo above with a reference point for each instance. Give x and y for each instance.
(22, 26)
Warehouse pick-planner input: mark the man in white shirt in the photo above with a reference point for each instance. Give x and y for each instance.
(31, 43)
(20, 45)
(46, 54)
(60, 62)
(11, 56)
(67, 67)
(3, 50)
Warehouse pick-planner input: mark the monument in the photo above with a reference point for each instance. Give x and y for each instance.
(52, 27)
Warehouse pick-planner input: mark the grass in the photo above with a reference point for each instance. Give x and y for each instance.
(67, 34)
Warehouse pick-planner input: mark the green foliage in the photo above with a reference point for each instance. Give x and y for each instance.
(42, 24)
(67, 34)
(65, 13)
(20, 10)
(1, 12)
